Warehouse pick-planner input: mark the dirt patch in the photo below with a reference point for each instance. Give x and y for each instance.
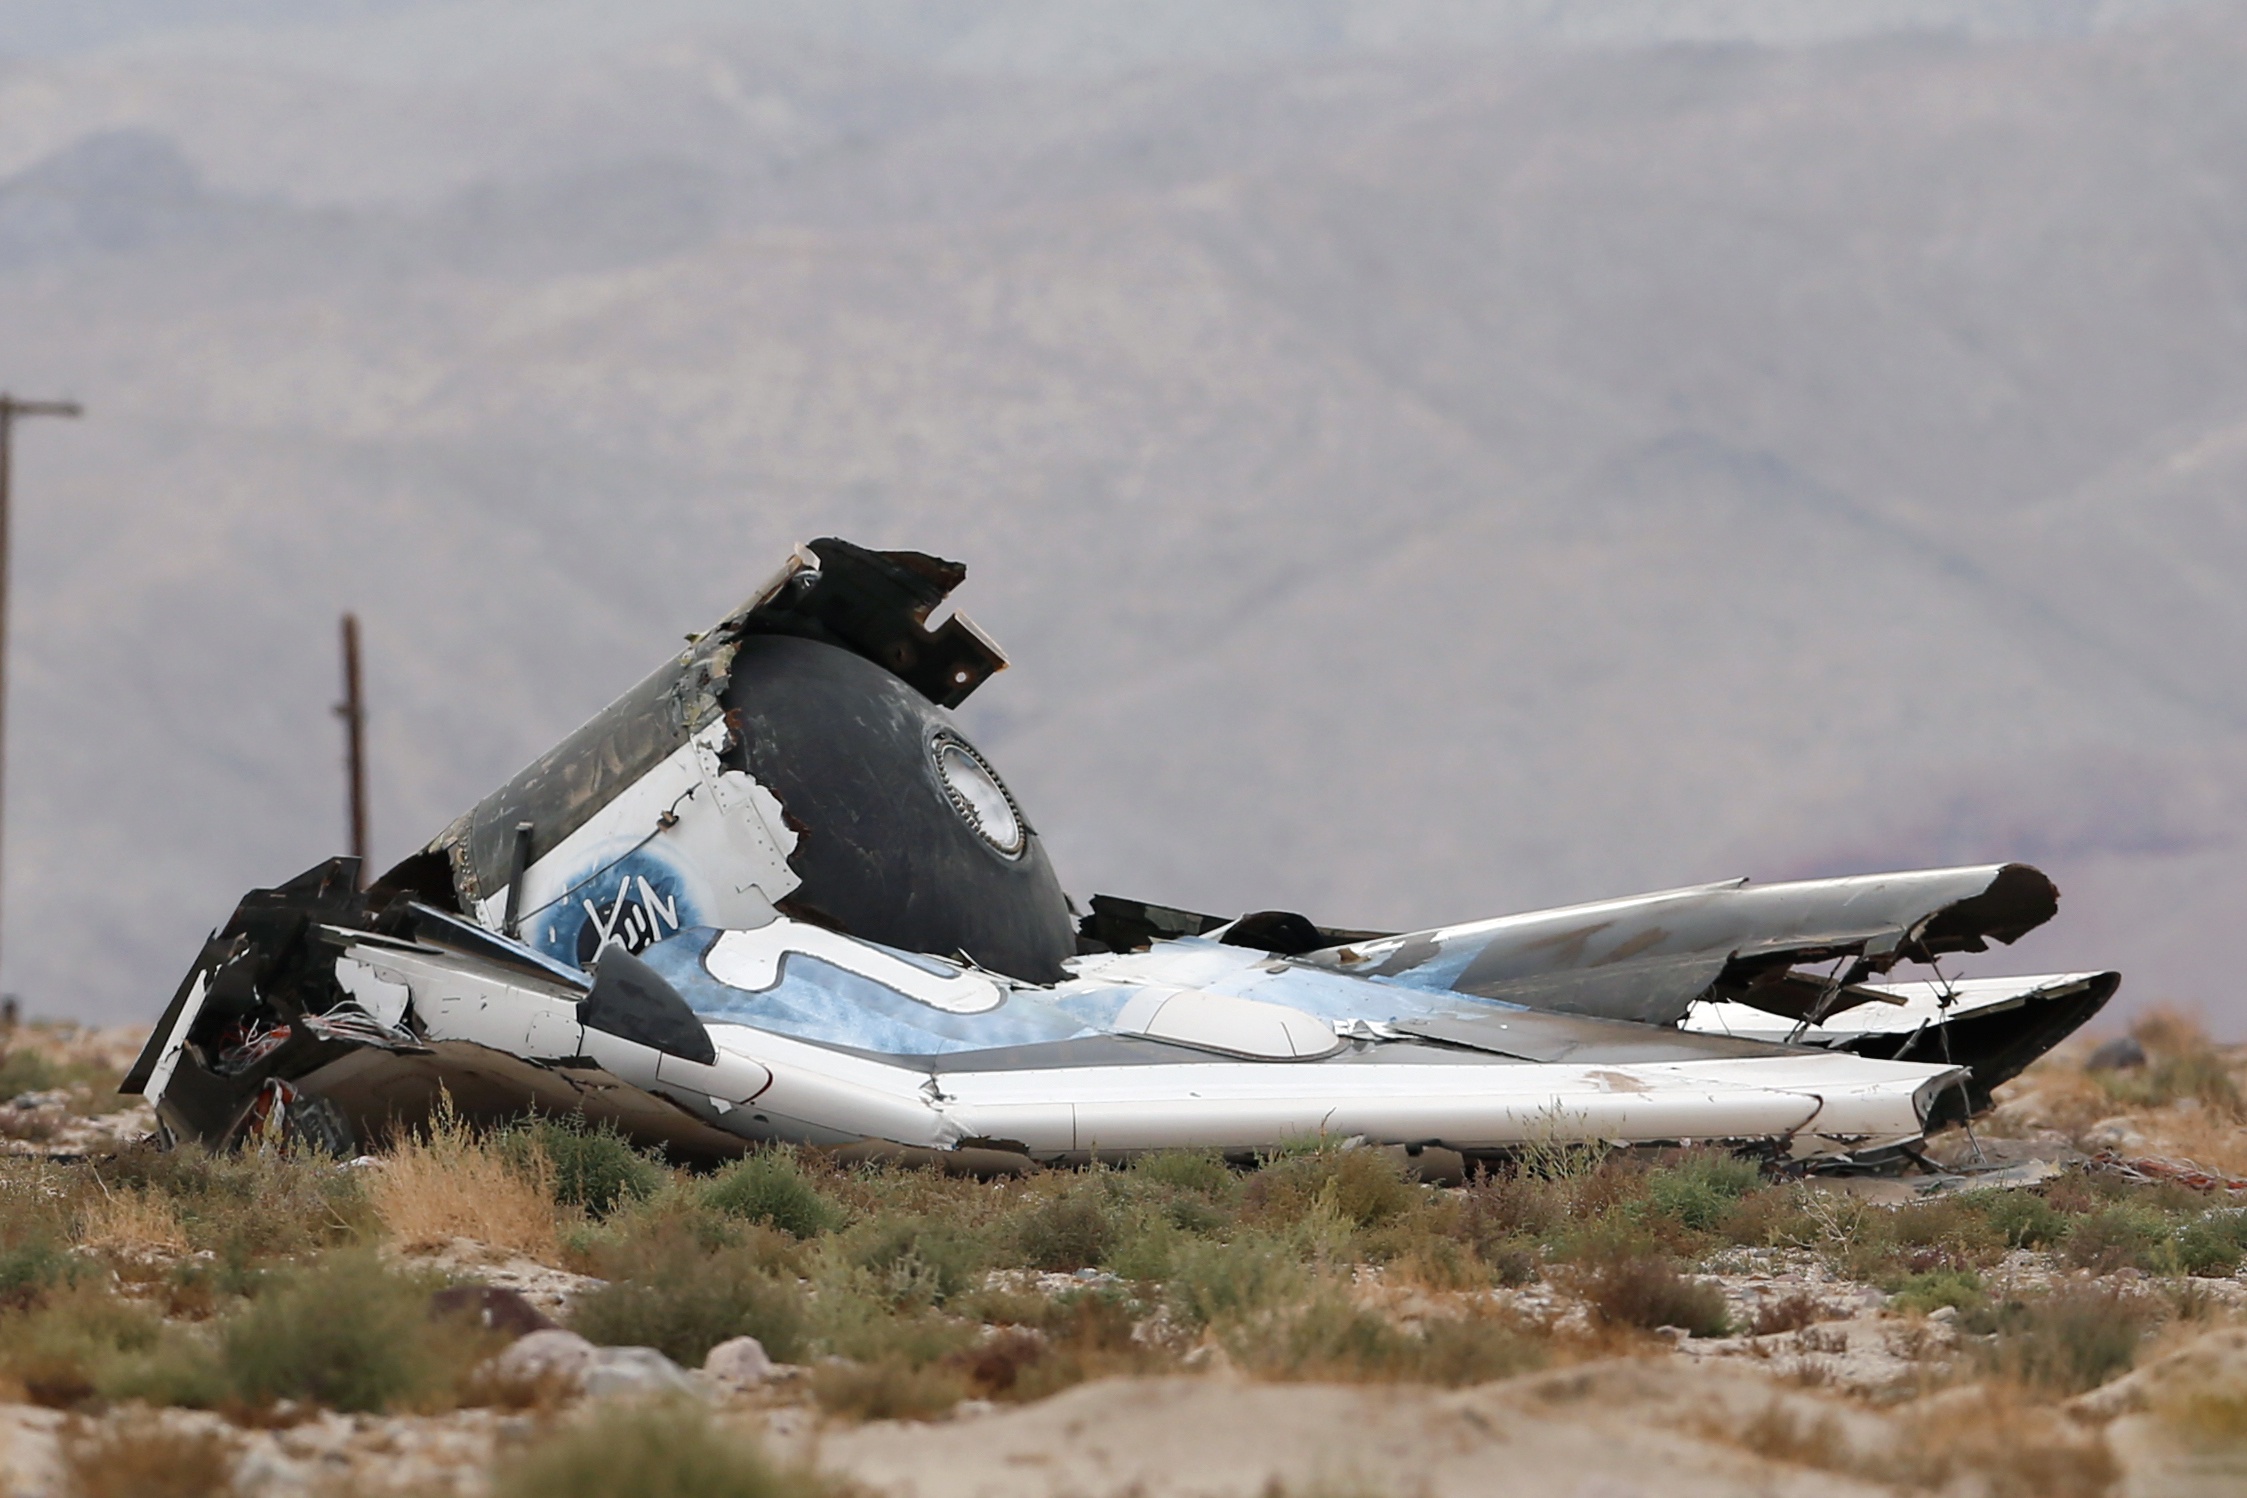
(1222, 1438)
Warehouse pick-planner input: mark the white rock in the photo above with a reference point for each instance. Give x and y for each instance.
(264, 1470)
(741, 1360)
(631, 1372)
(2117, 1133)
(552, 1355)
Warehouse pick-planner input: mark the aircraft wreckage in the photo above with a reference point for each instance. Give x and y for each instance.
(774, 893)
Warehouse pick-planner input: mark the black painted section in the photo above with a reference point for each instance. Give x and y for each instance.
(425, 923)
(876, 604)
(882, 852)
(632, 1001)
(561, 790)
(1119, 925)
(261, 958)
(1280, 931)
(871, 604)
(1995, 1047)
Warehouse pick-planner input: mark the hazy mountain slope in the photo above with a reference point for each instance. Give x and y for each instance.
(1414, 482)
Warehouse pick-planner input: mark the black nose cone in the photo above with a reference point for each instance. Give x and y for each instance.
(905, 834)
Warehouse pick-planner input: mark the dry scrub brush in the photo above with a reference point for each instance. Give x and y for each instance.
(448, 1181)
(146, 1455)
(2181, 1063)
(927, 1285)
(130, 1221)
(244, 1208)
(1987, 1440)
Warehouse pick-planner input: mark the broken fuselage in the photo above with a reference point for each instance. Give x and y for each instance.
(775, 894)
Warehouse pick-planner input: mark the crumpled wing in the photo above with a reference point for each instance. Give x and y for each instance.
(1648, 958)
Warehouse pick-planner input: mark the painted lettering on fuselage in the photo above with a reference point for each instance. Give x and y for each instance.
(639, 908)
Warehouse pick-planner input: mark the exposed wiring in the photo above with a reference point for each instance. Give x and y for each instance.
(1816, 1013)
(1943, 1002)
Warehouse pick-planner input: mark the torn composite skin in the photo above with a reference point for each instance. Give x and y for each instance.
(774, 893)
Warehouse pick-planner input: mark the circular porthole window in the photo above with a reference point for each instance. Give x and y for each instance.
(978, 796)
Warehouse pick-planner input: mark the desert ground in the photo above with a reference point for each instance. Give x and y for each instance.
(544, 1310)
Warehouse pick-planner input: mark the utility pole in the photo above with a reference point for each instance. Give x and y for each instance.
(10, 409)
(353, 710)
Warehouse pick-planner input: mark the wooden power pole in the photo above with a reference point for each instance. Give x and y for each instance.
(353, 710)
(10, 409)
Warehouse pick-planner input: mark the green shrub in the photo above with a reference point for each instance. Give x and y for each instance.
(23, 1070)
(853, 1317)
(877, 1189)
(667, 1450)
(1328, 1338)
(594, 1166)
(1147, 1252)
(1769, 1217)
(673, 1295)
(1211, 1282)
(889, 1389)
(346, 1333)
(2023, 1218)
(1361, 1186)
(1645, 1290)
(30, 1268)
(2123, 1235)
(2073, 1339)
(1073, 1228)
(2199, 1073)
(1192, 1215)
(251, 1207)
(60, 1350)
(1957, 1229)
(1606, 1235)
(1201, 1172)
(996, 1305)
(2213, 1245)
(1509, 1207)
(1700, 1187)
(771, 1187)
(1960, 1289)
(918, 1260)
(182, 1368)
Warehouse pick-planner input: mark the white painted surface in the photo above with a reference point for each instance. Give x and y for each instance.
(453, 1004)
(751, 960)
(383, 995)
(167, 1062)
(1821, 1104)
(1234, 1026)
(730, 1078)
(725, 821)
(1917, 1004)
